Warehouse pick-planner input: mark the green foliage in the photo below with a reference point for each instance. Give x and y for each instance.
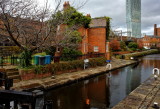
(71, 65)
(42, 54)
(108, 28)
(50, 51)
(133, 46)
(76, 18)
(26, 57)
(68, 66)
(39, 69)
(138, 54)
(97, 62)
(70, 54)
(74, 38)
(70, 17)
(123, 46)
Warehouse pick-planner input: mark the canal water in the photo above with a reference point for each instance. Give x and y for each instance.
(104, 91)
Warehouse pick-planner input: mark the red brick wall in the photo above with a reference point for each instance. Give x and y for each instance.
(97, 37)
(158, 31)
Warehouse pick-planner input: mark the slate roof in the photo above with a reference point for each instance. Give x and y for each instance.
(98, 22)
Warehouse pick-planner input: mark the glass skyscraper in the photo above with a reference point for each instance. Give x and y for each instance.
(133, 18)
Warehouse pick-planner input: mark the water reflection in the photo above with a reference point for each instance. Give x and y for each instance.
(104, 91)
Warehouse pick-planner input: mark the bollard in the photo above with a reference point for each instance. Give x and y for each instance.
(155, 76)
(155, 105)
(86, 62)
(108, 66)
(132, 58)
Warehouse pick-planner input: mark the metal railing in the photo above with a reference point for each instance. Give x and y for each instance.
(9, 60)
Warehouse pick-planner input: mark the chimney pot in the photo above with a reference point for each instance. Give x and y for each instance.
(155, 29)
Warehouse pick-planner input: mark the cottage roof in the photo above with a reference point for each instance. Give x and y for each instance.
(98, 22)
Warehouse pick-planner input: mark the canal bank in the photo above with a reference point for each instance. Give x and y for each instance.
(68, 78)
(143, 97)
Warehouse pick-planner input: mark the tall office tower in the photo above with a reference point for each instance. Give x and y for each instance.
(133, 18)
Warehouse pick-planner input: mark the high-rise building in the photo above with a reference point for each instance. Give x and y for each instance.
(133, 18)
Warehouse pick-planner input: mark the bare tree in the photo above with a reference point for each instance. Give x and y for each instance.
(30, 27)
(24, 22)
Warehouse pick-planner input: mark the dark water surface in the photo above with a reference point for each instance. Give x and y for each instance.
(104, 91)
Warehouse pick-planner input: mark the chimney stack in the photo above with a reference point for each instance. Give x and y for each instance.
(155, 29)
(88, 15)
(66, 5)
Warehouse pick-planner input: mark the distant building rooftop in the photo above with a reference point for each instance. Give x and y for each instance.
(152, 36)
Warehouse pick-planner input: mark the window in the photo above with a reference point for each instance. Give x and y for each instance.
(96, 48)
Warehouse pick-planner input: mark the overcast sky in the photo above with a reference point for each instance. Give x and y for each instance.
(116, 9)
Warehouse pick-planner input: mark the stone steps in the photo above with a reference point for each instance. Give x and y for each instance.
(13, 73)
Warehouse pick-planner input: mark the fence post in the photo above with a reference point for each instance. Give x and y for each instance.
(2, 61)
(11, 59)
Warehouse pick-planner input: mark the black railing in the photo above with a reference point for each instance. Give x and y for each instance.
(10, 60)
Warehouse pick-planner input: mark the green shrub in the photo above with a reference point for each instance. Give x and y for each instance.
(138, 54)
(50, 51)
(123, 46)
(70, 54)
(133, 46)
(66, 66)
(26, 58)
(70, 65)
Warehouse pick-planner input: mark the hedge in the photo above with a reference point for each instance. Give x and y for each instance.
(70, 65)
(139, 54)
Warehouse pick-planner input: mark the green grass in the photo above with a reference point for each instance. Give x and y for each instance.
(42, 54)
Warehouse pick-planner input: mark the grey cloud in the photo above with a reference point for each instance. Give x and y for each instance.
(116, 10)
(150, 15)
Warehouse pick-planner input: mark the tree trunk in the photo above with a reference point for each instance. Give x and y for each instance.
(57, 57)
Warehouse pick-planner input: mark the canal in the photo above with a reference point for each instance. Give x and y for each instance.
(104, 91)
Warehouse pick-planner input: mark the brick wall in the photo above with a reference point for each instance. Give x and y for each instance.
(97, 37)
(93, 37)
(158, 31)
